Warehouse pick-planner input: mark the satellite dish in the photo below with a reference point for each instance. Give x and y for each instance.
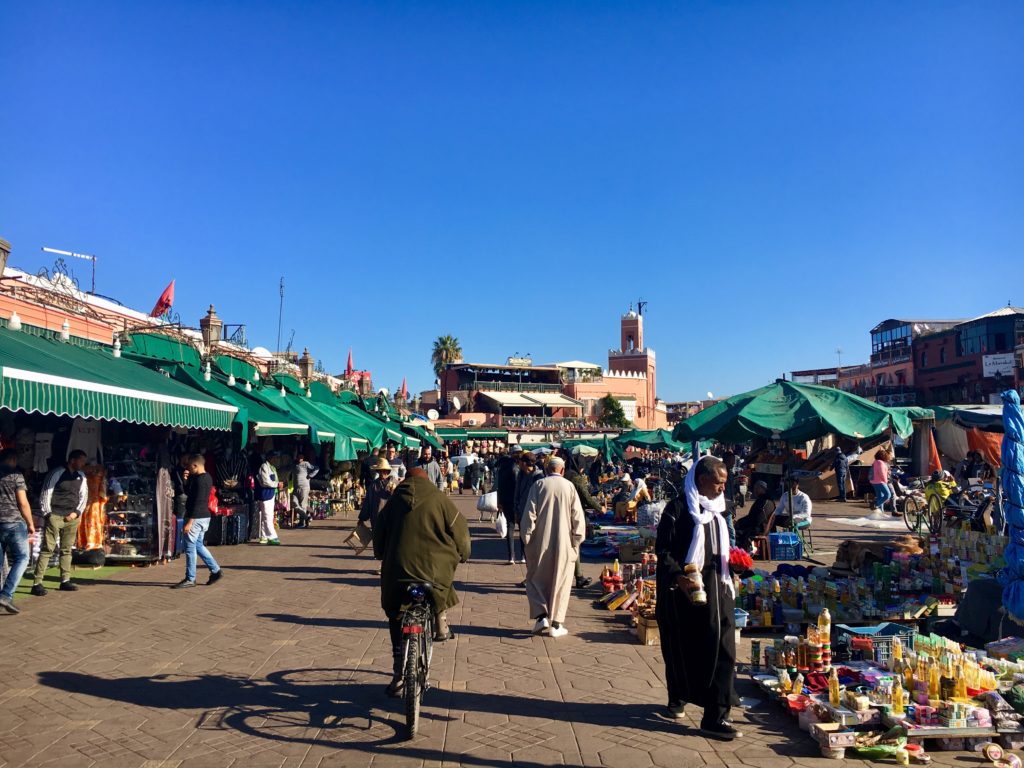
(456, 404)
(710, 396)
(433, 415)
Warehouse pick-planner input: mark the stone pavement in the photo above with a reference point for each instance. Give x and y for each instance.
(284, 662)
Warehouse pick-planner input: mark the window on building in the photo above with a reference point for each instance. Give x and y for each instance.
(924, 359)
(999, 343)
(942, 355)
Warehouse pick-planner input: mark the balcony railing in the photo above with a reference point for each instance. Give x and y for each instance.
(514, 386)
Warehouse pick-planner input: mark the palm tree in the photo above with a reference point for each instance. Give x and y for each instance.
(446, 350)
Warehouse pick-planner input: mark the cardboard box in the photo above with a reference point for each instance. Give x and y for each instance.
(824, 487)
(647, 631)
(631, 552)
(833, 735)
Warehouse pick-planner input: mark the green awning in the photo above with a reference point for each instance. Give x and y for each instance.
(423, 435)
(451, 433)
(330, 426)
(265, 421)
(488, 434)
(43, 375)
(650, 439)
(240, 369)
(792, 412)
(160, 348)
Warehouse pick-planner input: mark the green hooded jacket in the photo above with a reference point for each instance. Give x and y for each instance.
(420, 537)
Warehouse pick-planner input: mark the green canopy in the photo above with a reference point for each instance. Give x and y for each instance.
(45, 375)
(265, 421)
(451, 433)
(608, 448)
(488, 434)
(423, 436)
(330, 424)
(652, 439)
(152, 347)
(240, 369)
(792, 412)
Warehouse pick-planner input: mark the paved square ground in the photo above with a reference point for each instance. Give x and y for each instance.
(284, 663)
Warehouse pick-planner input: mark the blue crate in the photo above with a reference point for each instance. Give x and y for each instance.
(785, 546)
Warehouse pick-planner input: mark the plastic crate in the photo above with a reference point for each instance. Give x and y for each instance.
(785, 546)
(881, 636)
(741, 618)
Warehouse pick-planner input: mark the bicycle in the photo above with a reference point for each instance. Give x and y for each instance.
(417, 647)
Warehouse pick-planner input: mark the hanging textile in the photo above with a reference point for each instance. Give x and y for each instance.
(987, 443)
(1012, 478)
(92, 531)
(165, 526)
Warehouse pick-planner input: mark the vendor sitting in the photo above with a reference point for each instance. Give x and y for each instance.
(794, 508)
(755, 521)
(940, 485)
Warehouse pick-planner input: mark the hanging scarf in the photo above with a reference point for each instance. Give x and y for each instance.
(703, 511)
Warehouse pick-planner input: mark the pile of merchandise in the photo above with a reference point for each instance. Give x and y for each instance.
(895, 689)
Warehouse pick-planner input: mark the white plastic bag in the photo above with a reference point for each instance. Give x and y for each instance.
(488, 502)
(501, 526)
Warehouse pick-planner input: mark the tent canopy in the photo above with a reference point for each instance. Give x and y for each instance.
(792, 412)
(608, 448)
(651, 439)
(45, 375)
(987, 417)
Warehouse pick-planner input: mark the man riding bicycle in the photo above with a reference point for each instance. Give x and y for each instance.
(421, 538)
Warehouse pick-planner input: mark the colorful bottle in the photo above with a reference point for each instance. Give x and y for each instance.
(933, 683)
(899, 698)
(833, 689)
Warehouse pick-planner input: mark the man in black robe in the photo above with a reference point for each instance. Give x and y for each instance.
(698, 641)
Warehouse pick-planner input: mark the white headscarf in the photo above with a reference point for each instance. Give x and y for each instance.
(703, 510)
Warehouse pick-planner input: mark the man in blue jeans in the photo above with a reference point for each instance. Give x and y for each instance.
(15, 526)
(198, 486)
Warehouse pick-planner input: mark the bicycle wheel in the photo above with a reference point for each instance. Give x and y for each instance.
(912, 515)
(412, 684)
(424, 665)
(935, 515)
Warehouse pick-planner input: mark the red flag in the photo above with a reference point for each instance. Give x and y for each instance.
(349, 369)
(405, 390)
(165, 302)
(934, 463)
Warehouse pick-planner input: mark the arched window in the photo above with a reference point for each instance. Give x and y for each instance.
(942, 355)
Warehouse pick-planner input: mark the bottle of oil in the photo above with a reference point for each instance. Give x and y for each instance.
(899, 697)
(833, 689)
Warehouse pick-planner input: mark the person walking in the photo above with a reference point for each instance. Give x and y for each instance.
(582, 485)
(266, 493)
(553, 527)
(430, 466)
(696, 600)
(16, 525)
(506, 489)
(378, 493)
(63, 499)
(397, 465)
(841, 465)
(198, 489)
(304, 472)
(420, 537)
(528, 475)
(880, 480)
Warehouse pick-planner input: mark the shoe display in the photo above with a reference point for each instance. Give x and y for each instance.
(8, 605)
(721, 731)
(558, 632)
(67, 586)
(215, 577)
(541, 627)
(38, 590)
(184, 584)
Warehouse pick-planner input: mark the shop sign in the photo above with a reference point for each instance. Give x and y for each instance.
(997, 365)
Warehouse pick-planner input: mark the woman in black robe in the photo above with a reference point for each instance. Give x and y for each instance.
(698, 642)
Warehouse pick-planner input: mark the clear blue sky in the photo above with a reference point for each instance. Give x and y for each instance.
(774, 178)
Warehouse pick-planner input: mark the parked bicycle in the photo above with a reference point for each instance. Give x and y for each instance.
(417, 647)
